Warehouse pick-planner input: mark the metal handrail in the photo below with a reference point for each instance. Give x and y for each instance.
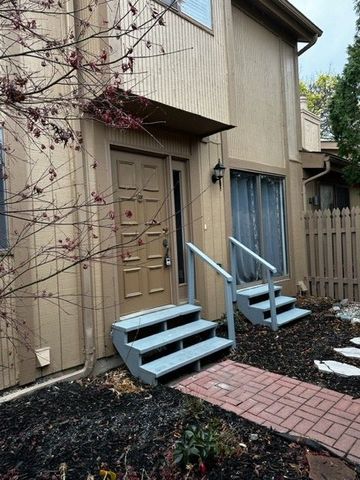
(271, 270)
(228, 284)
(253, 254)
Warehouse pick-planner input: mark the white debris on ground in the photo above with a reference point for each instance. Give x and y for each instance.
(351, 352)
(341, 369)
(347, 311)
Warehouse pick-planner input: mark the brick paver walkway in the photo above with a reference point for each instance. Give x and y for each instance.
(285, 404)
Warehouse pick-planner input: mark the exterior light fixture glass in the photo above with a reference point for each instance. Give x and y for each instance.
(219, 171)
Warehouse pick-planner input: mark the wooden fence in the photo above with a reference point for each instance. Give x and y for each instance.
(333, 253)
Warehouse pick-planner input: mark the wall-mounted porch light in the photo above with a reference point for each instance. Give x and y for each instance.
(219, 171)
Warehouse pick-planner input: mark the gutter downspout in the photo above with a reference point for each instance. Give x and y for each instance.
(309, 45)
(315, 177)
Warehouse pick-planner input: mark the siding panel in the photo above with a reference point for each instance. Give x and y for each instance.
(259, 136)
(193, 79)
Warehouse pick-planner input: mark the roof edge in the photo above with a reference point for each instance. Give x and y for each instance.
(285, 14)
(301, 18)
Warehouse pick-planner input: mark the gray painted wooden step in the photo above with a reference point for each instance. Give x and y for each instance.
(291, 315)
(159, 340)
(258, 311)
(279, 302)
(188, 355)
(147, 320)
(257, 291)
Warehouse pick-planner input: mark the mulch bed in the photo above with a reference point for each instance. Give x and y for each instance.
(89, 427)
(293, 348)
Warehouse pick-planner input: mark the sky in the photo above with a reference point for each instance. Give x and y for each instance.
(337, 20)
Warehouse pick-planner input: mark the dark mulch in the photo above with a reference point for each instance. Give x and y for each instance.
(89, 426)
(293, 348)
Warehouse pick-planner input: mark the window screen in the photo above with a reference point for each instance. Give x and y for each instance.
(199, 10)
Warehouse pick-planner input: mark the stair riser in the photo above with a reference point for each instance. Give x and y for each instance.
(260, 298)
(259, 315)
(190, 361)
(163, 325)
(155, 318)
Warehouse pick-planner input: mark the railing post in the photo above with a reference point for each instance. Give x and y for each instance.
(191, 276)
(233, 269)
(230, 310)
(274, 325)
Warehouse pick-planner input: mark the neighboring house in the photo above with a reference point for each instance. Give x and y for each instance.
(232, 98)
(324, 183)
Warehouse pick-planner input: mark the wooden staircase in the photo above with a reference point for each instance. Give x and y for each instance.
(254, 303)
(155, 344)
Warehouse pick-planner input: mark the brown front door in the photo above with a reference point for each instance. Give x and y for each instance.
(143, 236)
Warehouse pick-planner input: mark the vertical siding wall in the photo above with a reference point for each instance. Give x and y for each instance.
(266, 113)
(192, 79)
(211, 230)
(259, 115)
(43, 322)
(9, 364)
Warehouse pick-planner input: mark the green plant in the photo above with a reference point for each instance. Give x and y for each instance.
(345, 108)
(194, 407)
(197, 445)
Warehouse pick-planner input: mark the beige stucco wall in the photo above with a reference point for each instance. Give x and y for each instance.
(310, 130)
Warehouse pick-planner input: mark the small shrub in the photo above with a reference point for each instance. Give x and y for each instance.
(197, 446)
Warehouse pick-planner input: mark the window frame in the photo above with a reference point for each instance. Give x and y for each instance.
(175, 9)
(285, 233)
(335, 186)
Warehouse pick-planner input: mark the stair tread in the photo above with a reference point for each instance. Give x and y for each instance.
(256, 291)
(149, 319)
(291, 315)
(279, 302)
(188, 355)
(172, 335)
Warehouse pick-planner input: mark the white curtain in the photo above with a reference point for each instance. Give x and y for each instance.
(245, 224)
(258, 223)
(273, 222)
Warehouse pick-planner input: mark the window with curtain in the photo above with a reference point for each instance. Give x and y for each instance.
(3, 223)
(258, 215)
(198, 10)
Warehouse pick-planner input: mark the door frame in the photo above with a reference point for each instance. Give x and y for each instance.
(181, 164)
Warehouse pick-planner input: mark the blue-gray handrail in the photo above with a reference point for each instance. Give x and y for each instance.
(228, 283)
(270, 269)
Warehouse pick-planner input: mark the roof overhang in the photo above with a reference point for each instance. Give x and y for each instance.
(316, 160)
(285, 16)
(158, 115)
